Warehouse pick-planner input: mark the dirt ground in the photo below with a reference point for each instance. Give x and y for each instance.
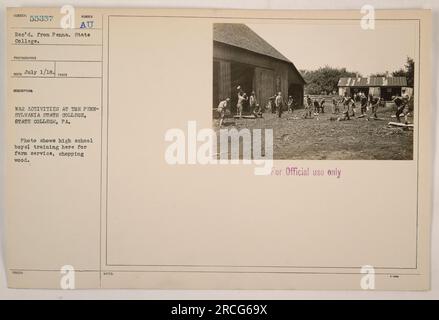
(320, 138)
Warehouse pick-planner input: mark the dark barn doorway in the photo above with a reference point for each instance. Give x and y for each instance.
(216, 97)
(241, 75)
(296, 91)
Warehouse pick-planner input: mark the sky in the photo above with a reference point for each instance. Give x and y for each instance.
(310, 45)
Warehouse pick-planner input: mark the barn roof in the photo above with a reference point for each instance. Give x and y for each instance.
(241, 36)
(373, 82)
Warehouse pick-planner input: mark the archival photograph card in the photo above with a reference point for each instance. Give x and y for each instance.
(218, 149)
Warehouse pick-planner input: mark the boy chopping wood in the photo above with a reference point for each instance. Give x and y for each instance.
(316, 107)
(374, 103)
(254, 105)
(363, 103)
(222, 107)
(348, 104)
(290, 104)
(322, 106)
(239, 106)
(279, 101)
(400, 103)
(308, 106)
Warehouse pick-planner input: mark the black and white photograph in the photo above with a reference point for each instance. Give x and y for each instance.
(219, 152)
(330, 90)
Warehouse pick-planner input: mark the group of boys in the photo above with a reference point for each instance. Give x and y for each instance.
(314, 107)
(252, 101)
(276, 103)
(242, 98)
(349, 105)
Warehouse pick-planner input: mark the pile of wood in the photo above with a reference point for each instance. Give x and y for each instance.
(399, 124)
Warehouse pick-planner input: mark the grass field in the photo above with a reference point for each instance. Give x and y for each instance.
(320, 138)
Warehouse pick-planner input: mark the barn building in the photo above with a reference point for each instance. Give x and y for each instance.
(384, 87)
(243, 58)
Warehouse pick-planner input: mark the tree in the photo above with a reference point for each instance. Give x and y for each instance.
(325, 79)
(408, 71)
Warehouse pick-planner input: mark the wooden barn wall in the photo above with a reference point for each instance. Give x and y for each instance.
(281, 80)
(270, 77)
(224, 89)
(293, 77)
(264, 84)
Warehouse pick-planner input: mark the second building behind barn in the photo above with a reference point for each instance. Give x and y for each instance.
(383, 87)
(243, 58)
